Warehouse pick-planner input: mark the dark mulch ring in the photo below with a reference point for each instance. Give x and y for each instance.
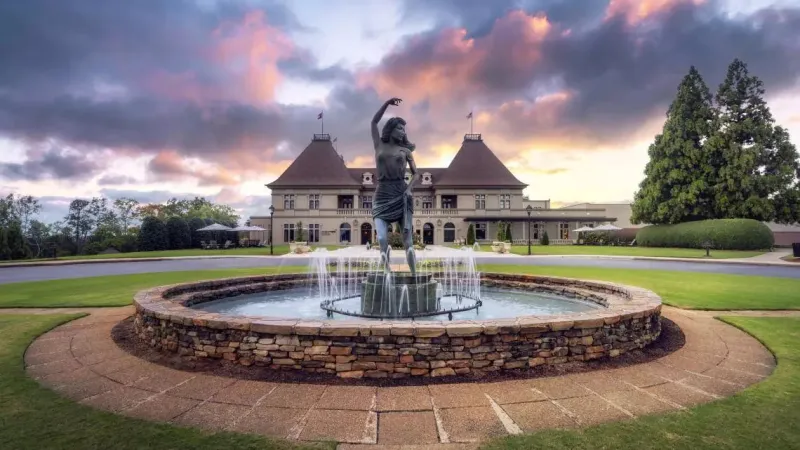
(670, 340)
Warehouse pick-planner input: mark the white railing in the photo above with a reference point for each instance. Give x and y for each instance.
(437, 212)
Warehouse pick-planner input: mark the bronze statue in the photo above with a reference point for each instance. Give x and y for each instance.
(393, 199)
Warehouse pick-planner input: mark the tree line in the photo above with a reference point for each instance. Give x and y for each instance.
(720, 157)
(98, 224)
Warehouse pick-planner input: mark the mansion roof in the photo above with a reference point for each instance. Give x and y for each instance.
(475, 165)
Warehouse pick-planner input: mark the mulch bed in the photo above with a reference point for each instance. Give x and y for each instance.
(670, 340)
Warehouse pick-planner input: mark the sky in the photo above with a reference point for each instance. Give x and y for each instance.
(159, 98)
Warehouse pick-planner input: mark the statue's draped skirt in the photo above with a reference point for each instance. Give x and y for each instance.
(393, 205)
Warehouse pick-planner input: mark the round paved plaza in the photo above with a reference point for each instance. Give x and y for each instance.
(81, 361)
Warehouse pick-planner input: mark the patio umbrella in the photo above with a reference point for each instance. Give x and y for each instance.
(215, 227)
(607, 228)
(582, 229)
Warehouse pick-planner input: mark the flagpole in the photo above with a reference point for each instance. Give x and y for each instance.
(471, 118)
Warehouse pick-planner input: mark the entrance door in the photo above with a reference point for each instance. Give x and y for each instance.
(427, 234)
(366, 233)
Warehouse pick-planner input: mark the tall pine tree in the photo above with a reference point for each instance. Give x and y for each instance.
(758, 165)
(676, 186)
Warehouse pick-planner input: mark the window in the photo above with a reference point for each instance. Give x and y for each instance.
(344, 232)
(427, 202)
(288, 232)
(480, 202)
(536, 230)
(449, 232)
(288, 201)
(313, 201)
(480, 231)
(366, 178)
(366, 202)
(345, 202)
(448, 203)
(505, 201)
(426, 178)
(313, 232)
(563, 230)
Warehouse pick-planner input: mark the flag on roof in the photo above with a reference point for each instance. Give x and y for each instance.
(469, 116)
(319, 116)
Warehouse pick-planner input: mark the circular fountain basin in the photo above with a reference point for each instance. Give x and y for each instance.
(302, 303)
(239, 321)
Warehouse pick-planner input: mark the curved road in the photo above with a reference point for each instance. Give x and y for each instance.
(37, 273)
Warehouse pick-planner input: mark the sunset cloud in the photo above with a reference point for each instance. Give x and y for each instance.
(189, 93)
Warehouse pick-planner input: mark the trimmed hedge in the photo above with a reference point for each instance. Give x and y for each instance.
(723, 234)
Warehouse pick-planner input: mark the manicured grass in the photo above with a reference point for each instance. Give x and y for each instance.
(34, 417)
(111, 290)
(682, 289)
(685, 289)
(632, 251)
(248, 251)
(763, 416)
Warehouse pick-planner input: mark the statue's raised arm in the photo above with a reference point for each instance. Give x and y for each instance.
(376, 135)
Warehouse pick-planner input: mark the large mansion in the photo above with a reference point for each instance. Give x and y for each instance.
(334, 202)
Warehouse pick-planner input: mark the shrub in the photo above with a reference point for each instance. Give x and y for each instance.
(152, 235)
(471, 234)
(501, 231)
(300, 235)
(178, 233)
(508, 238)
(608, 238)
(395, 240)
(722, 234)
(545, 240)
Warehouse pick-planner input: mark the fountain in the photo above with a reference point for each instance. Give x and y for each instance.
(273, 320)
(356, 273)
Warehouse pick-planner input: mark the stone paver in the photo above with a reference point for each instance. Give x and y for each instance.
(80, 361)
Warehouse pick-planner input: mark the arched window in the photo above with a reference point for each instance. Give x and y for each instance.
(344, 232)
(449, 232)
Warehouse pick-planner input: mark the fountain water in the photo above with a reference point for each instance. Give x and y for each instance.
(445, 281)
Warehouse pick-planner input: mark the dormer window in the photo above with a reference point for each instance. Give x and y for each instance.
(366, 178)
(426, 178)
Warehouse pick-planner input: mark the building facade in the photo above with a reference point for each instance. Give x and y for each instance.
(332, 203)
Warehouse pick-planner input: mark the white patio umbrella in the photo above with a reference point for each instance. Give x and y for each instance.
(582, 229)
(607, 227)
(215, 227)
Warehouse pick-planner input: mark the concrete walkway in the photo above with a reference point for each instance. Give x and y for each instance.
(80, 361)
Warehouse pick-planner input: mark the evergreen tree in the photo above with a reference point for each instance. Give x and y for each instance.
(509, 238)
(152, 235)
(545, 240)
(678, 178)
(471, 234)
(178, 233)
(18, 248)
(759, 170)
(195, 224)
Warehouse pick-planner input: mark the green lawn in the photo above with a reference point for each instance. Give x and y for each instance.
(33, 417)
(632, 251)
(112, 290)
(683, 289)
(249, 251)
(763, 416)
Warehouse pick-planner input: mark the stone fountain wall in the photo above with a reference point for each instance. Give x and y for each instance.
(630, 320)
